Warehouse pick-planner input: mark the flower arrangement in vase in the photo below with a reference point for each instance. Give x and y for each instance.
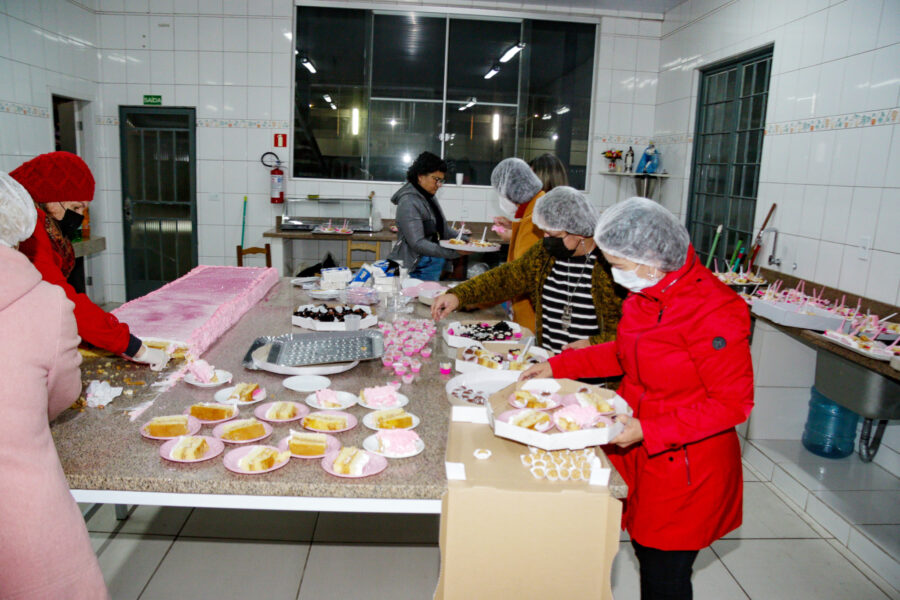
(612, 156)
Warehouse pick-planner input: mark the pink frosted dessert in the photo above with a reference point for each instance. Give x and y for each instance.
(397, 442)
(384, 396)
(202, 370)
(574, 417)
(327, 399)
(196, 309)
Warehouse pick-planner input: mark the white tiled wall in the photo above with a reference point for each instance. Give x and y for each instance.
(826, 165)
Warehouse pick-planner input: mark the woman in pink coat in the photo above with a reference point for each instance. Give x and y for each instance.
(45, 551)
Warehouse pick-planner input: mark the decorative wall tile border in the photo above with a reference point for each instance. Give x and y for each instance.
(222, 123)
(24, 109)
(242, 123)
(847, 121)
(672, 138)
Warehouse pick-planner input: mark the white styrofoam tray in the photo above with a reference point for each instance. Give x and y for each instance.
(790, 315)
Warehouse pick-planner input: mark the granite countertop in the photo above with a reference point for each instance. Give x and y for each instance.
(103, 449)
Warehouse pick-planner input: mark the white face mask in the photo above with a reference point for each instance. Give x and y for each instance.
(630, 280)
(508, 207)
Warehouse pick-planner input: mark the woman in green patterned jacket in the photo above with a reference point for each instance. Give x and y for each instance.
(567, 279)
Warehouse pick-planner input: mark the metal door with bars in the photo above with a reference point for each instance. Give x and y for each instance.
(731, 117)
(159, 195)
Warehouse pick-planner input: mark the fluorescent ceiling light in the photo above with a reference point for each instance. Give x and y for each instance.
(562, 110)
(546, 117)
(509, 54)
(354, 121)
(469, 103)
(407, 158)
(326, 97)
(333, 106)
(554, 137)
(494, 70)
(308, 64)
(495, 127)
(393, 122)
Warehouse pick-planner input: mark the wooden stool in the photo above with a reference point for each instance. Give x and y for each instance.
(241, 251)
(361, 247)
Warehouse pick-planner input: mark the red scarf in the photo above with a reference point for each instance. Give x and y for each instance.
(61, 244)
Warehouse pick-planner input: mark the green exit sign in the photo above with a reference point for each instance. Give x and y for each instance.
(151, 100)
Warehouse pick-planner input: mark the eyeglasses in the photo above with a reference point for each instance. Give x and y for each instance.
(438, 180)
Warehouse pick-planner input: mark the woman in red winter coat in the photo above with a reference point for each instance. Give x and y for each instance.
(683, 347)
(62, 184)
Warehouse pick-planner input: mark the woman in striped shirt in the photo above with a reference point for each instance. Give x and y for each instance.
(568, 281)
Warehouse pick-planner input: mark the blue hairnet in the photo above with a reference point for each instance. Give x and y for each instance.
(514, 180)
(643, 231)
(17, 213)
(565, 209)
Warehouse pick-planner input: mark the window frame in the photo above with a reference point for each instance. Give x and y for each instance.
(693, 220)
(473, 14)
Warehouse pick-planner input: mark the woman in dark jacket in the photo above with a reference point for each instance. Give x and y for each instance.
(420, 221)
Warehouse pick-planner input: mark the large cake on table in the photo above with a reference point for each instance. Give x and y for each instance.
(196, 309)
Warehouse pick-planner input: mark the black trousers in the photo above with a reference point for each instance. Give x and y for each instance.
(665, 574)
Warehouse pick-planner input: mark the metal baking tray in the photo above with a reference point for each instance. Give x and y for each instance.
(300, 349)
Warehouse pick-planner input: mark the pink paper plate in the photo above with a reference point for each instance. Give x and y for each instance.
(187, 412)
(193, 427)
(569, 399)
(376, 465)
(554, 398)
(215, 448)
(505, 417)
(220, 429)
(331, 445)
(233, 457)
(261, 410)
(351, 421)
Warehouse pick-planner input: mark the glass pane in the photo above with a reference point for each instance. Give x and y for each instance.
(558, 65)
(758, 111)
(151, 166)
(745, 105)
(480, 137)
(747, 83)
(326, 140)
(408, 56)
(737, 173)
(731, 91)
(761, 83)
(183, 166)
(749, 187)
(399, 132)
(475, 47)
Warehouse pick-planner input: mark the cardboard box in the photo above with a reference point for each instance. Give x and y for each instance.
(456, 341)
(467, 366)
(553, 439)
(505, 534)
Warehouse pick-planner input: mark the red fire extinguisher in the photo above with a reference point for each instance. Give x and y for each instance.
(276, 178)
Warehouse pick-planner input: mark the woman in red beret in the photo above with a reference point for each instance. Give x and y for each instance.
(61, 185)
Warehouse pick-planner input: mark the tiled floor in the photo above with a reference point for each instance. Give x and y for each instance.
(159, 553)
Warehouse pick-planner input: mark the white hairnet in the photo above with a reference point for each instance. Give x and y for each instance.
(565, 209)
(643, 231)
(514, 180)
(17, 213)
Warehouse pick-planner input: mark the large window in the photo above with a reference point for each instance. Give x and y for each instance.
(374, 89)
(731, 118)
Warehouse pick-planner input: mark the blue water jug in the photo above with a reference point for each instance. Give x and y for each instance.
(830, 428)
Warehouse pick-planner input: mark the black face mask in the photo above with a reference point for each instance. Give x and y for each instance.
(70, 223)
(556, 248)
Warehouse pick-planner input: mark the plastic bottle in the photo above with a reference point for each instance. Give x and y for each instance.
(830, 428)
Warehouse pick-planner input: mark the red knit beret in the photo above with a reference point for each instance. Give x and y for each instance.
(56, 177)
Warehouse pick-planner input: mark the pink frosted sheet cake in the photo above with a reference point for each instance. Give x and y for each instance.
(196, 309)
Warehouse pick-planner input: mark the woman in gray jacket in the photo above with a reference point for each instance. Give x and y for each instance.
(420, 221)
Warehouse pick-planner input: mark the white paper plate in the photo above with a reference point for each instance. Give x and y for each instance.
(401, 402)
(222, 377)
(345, 398)
(371, 444)
(324, 294)
(306, 383)
(302, 280)
(222, 397)
(369, 421)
